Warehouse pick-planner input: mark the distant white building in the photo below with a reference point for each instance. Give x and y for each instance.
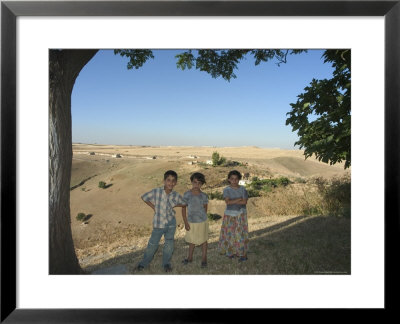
(209, 162)
(244, 182)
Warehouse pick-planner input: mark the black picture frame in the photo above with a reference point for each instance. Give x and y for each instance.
(10, 10)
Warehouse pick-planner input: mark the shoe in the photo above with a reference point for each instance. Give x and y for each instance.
(186, 261)
(231, 256)
(167, 268)
(204, 265)
(139, 268)
(241, 259)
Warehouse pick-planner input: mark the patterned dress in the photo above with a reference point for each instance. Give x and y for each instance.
(234, 235)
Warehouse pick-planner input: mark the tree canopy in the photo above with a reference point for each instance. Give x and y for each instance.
(136, 57)
(328, 101)
(222, 63)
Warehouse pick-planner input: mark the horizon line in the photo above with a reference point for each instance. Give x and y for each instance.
(209, 146)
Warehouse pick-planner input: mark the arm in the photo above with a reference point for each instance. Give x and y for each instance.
(187, 226)
(243, 201)
(148, 197)
(205, 202)
(181, 202)
(234, 201)
(150, 204)
(245, 196)
(180, 205)
(237, 201)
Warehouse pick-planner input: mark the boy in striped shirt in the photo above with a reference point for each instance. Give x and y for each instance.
(163, 200)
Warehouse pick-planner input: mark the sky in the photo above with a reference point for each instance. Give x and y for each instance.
(161, 105)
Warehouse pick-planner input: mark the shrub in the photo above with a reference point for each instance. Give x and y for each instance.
(259, 184)
(230, 163)
(335, 194)
(337, 197)
(80, 216)
(102, 184)
(216, 195)
(217, 159)
(267, 184)
(283, 181)
(266, 188)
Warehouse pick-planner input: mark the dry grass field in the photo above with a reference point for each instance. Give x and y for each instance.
(293, 229)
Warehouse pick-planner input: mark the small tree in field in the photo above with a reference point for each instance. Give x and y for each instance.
(217, 159)
(80, 216)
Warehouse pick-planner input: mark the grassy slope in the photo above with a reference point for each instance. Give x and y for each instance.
(280, 245)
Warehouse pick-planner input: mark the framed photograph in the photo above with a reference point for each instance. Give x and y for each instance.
(33, 290)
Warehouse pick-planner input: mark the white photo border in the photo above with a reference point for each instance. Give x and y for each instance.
(200, 32)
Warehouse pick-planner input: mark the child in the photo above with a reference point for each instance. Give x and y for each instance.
(162, 200)
(234, 236)
(196, 224)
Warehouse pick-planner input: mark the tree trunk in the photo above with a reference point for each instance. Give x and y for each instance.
(64, 67)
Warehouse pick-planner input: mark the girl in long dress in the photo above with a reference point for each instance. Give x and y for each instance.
(234, 235)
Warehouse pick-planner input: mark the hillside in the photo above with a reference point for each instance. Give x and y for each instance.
(278, 245)
(117, 214)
